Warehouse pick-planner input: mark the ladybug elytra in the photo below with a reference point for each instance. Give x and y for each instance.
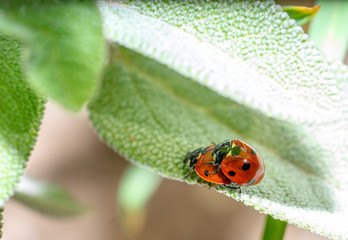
(230, 163)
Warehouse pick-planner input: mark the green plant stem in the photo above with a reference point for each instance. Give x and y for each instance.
(1, 211)
(136, 188)
(274, 229)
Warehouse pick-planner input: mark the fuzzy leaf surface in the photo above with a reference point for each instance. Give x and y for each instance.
(185, 74)
(20, 113)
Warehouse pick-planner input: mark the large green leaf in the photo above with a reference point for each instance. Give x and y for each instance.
(20, 114)
(185, 74)
(64, 46)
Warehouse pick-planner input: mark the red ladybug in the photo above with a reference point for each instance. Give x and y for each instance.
(243, 165)
(206, 169)
(231, 163)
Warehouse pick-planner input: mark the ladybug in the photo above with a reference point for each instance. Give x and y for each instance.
(205, 168)
(230, 163)
(242, 164)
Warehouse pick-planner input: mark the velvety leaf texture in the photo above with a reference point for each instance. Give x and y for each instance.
(20, 114)
(64, 46)
(187, 73)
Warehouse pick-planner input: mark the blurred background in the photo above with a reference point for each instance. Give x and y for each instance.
(69, 152)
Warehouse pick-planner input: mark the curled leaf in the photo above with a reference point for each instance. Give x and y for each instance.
(302, 15)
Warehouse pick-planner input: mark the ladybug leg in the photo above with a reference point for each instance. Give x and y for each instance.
(187, 158)
(212, 173)
(231, 187)
(235, 187)
(212, 162)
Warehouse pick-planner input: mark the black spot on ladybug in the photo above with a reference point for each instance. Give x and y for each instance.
(253, 151)
(231, 173)
(246, 166)
(206, 173)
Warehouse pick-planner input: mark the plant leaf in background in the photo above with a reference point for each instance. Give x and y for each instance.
(135, 189)
(47, 198)
(20, 113)
(302, 15)
(329, 29)
(64, 46)
(192, 73)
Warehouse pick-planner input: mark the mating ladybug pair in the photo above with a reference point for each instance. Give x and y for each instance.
(230, 163)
